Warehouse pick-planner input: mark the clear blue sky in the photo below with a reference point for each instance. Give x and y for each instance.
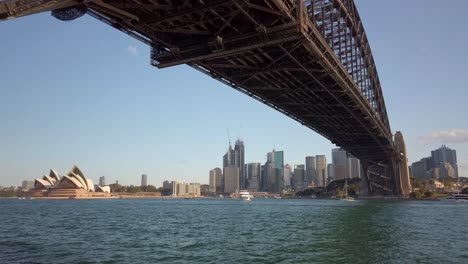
(83, 93)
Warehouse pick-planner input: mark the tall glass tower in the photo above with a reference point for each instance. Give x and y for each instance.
(276, 171)
(239, 161)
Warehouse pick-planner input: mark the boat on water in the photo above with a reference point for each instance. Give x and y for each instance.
(245, 195)
(345, 196)
(458, 197)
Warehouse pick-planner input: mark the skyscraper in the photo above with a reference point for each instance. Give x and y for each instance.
(231, 179)
(446, 170)
(299, 181)
(339, 161)
(228, 158)
(102, 181)
(422, 169)
(321, 170)
(144, 180)
(310, 170)
(275, 165)
(345, 166)
(288, 173)
(252, 174)
(353, 168)
(239, 161)
(330, 172)
(445, 154)
(215, 180)
(235, 157)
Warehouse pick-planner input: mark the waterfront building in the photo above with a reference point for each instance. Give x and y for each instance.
(102, 181)
(104, 189)
(339, 161)
(231, 179)
(205, 189)
(310, 170)
(74, 184)
(239, 161)
(179, 188)
(275, 173)
(167, 185)
(330, 172)
(445, 155)
(299, 179)
(215, 180)
(193, 189)
(144, 180)
(253, 177)
(288, 174)
(321, 170)
(27, 185)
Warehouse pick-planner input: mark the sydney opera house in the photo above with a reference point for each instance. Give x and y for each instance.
(72, 185)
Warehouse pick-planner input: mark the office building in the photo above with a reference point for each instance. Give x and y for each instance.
(445, 155)
(422, 169)
(193, 189)
(229, 157)
(353, 168)
(231, 179)
(167, 185)
(288, 174)
(345, 166)
(339, 161)
(179, 188)
(205, 189)
(239, 161)
(144, 180)
(102, 181)
(321, 170)
(310, 171)
(252, 172)
(330, 172)
(236, 157)
(216, 178)
(299, 179)
(446, 170)
(419, 170)
(275, 173)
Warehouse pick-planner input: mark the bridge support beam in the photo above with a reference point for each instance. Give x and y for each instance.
(401, 166)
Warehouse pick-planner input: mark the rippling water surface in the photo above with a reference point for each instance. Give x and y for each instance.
(232, 231)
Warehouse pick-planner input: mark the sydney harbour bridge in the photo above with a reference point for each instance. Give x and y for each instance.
(308, 59)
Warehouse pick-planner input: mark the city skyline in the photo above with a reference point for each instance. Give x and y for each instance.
(123, 127)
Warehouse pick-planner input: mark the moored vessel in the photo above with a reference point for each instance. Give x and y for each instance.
(245, 195)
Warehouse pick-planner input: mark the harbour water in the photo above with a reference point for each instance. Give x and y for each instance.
(232, 231)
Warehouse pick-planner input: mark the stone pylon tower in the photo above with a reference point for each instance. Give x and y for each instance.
(404, 185)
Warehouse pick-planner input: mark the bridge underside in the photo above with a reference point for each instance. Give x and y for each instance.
(310, 60)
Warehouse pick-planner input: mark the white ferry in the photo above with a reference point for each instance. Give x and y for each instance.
(458, 197)
(245, 195)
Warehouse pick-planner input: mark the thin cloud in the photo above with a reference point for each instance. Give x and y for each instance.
(132, 49)
(447, 136)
